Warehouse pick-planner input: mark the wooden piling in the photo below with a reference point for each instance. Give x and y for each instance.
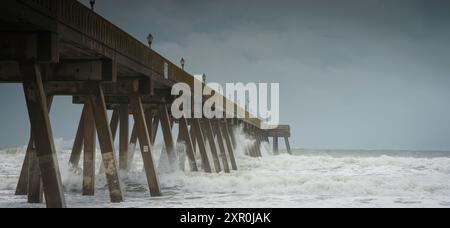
(194, 140)
(258, 141)
(133, 144)
(230, 129)
(78, 142)
(249, 132)
(145, 144)
(201, 144)
(154, 128)
(149, 120)
(275, 145)
(43, 136)
(89, 151)
(208, 131)
(228, 142)
(35, 187)
(105, 139)
(123, 137)
(220, 140)
(133, 137)
(167, 132)
(288, 145)
(114, 123)
(23, 183)
(186, 137)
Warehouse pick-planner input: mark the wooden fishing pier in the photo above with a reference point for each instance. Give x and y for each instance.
(63, 48)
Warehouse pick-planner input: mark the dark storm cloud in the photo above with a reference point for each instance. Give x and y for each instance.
(353, 73)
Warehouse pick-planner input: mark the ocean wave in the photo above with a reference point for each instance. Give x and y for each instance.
(320, 180)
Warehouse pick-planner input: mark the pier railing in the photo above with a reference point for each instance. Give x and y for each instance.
(80, 18)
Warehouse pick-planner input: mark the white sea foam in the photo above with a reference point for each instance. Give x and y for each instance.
(314, 180)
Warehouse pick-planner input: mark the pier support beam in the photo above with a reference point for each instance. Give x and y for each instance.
(220, 140)
(212, 144)
(155, 128)
(145, 144)
(134, 135)
(114, 123)
(22, 184)
(201, 144)
(78, 143)
(167, 132)
(89, 151)
(43, 135)
(260, 141)
(79, 139)
(194, 140)
(257, 142)
(228, 142)
(275, 145)
(35, 188)
(186, 137)
(105, 138)
(230, 128)
(26, 175)
(123, 136)
(149, 120)
(253, 152)
(288, 145)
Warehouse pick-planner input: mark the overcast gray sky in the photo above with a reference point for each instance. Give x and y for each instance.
(362, 74)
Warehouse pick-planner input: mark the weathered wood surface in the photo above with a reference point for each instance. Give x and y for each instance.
(145, 143)
(105, 139)
(80, 34)
(202, 147)
(167, 132)
(220, 140)
(208, 131)
(89, 151)
(230, 148)
(41, 129)
(186, 137)
(22, 184)
(123, 136)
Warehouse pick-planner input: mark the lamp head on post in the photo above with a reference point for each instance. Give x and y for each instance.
(182, 62)
(150, 40)
(204, 79)
(92, 2)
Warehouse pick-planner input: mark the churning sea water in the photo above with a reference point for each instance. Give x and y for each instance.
(310, 178)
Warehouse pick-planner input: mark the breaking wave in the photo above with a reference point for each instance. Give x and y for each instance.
(309, 179)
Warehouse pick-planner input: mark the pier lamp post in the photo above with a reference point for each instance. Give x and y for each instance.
(204, 79)
(92, 2)
(247, 106)
(150, 40)
(182, 62)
